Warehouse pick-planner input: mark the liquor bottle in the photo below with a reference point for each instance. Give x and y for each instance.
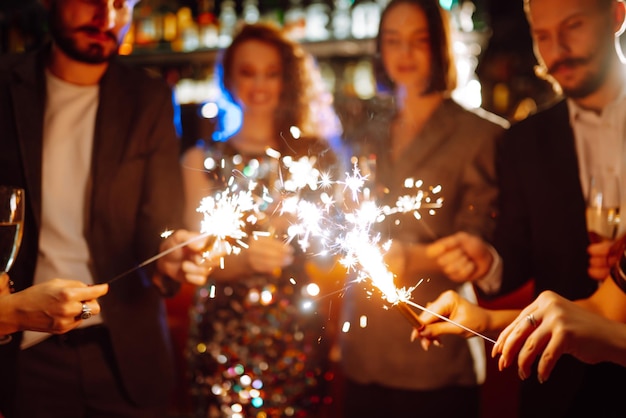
(317, 19)
(365, 19)
(295, 21)
(146, 32)
(228, 21)
(341, 20)
(251, 11)
(207, 24)
(189, 37)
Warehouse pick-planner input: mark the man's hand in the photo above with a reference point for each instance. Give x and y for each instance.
(53, 306)
(462, 257)
(603, 255)
(5, 281)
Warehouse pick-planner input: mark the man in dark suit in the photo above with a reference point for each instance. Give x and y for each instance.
(544, 164)
(93, 144)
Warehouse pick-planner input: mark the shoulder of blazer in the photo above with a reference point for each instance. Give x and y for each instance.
(474, 123)
(545, 130)
(24, 67)
(556, 113)
(139, 82)
(480, 115)
(542, 124)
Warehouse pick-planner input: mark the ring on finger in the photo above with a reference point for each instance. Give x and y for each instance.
(85, 312)
(531, 320)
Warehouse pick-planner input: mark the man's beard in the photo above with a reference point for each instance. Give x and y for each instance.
(94, 54)
(590, 84)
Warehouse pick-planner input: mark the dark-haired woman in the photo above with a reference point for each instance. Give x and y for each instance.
(421, 138)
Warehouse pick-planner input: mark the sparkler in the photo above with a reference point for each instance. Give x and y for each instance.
(443, 318)
(157, 256)
(361, 250)
(362, 254)
(227, 213)
(222, 226)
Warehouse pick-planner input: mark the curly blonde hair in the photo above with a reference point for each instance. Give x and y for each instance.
(304, 101)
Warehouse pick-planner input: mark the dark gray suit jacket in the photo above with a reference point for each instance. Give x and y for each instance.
(136, 193)
(541, 231)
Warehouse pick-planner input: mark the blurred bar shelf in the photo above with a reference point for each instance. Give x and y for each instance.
(324, 49)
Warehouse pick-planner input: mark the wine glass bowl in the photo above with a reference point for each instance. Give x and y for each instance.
(603, 208)
(11, 224)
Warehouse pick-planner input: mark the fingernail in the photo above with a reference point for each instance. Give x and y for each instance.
(540, 379)
(437, 343)
(494, 352)
(521, 374)
(424, 343)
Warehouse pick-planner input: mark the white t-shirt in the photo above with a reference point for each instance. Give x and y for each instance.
(68, 131)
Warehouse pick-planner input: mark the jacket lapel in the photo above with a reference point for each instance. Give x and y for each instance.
(28, 94)
(434, 134)
(115, 114)
(559, 150)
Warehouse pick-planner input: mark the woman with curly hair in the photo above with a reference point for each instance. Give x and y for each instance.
(252, 347)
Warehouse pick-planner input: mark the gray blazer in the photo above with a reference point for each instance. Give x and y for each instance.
(456, 150)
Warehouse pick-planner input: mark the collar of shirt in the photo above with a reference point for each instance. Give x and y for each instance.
(599, 138)
(577, 113)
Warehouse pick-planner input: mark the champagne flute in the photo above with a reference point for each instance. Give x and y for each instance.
(603, 205)
(11, 226)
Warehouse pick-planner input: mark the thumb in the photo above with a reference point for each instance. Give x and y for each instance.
(5, 287)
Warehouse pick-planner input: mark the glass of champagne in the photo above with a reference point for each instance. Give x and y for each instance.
(11, 225)
(603, 204)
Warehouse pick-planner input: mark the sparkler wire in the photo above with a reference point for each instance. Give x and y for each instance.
(413, 318)
(409, 314)
(157, 256)
(471, 331)
(354, 183)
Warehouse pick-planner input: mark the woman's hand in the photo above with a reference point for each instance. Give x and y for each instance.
(269, 255)
(456, 308)
(552, 326)
(188, 263)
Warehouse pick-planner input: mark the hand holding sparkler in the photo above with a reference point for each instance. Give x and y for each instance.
(452, 314)
(187, 263)
(184, 254)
